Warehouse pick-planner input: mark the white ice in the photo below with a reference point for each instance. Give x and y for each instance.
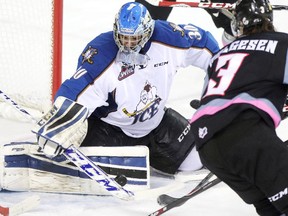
(83, 20)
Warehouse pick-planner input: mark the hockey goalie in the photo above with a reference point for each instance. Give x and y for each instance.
(25, 167)
(116, 102)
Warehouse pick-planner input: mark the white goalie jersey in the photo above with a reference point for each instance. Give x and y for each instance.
(133, 96)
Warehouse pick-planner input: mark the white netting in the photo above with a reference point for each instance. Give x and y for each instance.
(26, 45)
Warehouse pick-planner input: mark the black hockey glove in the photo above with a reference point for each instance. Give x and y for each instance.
(220, 20)
(195, 104)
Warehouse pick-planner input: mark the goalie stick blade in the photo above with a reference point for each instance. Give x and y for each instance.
(165, 199)
(180, 201)
(21, 207)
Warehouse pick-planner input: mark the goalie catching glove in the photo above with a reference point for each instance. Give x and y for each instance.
(65, 124)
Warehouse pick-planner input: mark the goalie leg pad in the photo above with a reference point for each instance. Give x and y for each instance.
(25, 168)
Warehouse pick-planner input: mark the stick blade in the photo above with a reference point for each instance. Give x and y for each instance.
(165, 199)
(21, 207)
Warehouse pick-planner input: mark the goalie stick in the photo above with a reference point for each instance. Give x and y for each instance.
(82, 162)
(21, 207)
(180, 201)
(207, 5)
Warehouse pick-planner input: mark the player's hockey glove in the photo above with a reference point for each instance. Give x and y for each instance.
(222, 21)
(195, 104)
(65, 124)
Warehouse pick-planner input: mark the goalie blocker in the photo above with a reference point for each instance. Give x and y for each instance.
(25, 168)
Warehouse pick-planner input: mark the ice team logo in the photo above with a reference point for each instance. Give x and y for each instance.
(147, 107)
(88, 54)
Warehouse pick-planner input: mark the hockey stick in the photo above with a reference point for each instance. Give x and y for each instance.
(82, 162)
(207, 5)
(132, 114)
(21, 207)
(165, 199)
(180, 201)
(188, 3)
(280, 7)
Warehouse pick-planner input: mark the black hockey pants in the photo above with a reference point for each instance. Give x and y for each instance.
(249, 157)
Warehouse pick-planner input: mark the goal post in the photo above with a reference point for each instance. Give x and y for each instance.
(31, 54)
(57, 45)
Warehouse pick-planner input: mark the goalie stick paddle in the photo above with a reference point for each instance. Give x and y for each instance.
(180, 201)
(206, 4)
(21, 207)
(96, 173)
(82, 162)
(165, 199)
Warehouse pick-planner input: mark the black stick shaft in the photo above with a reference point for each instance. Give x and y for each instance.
(183, 199)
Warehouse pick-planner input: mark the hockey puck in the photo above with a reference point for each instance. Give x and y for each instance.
(195, 104)
(121, 180)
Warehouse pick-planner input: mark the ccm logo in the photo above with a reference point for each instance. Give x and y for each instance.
(278, 195)
(160, 64)
(184, 133)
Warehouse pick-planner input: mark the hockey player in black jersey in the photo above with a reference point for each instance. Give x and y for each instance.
(242, 105)
(161, 13)
(220, 20)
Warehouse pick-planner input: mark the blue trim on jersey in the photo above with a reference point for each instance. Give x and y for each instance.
(106, 53)
(184, 37)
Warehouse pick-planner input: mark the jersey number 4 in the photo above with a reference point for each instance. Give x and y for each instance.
(226, 69)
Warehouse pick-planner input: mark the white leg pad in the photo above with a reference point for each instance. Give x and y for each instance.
(24, 168)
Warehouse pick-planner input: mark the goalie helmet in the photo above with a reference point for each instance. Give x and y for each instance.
(249, 13)
(133, 27)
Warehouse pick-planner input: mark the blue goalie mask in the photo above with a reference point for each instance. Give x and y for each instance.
(133, 27)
